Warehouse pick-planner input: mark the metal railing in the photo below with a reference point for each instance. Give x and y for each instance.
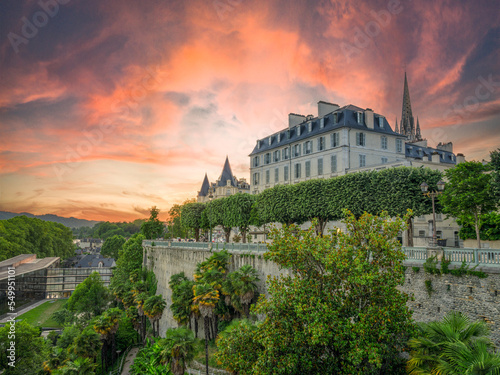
(215, 246)
(456, 255)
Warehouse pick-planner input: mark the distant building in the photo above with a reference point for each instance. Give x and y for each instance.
(41, 278)
(95, 261)
(227, 184)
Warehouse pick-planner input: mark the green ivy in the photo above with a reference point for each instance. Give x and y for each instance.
(428, 287)
(416, 269)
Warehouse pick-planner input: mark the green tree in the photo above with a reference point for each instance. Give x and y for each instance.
(78, 366)
(239, 212)
(153, 227)
(338, 310)
(90, 297)
(244, 285)
(238, 348)
(452, 346)
(87, 344)
(175, 227)
(495, 165)
(112, 246)
(178, 349)
(153, 308)
(468, 194)
(217, 212)
(30, 349)
(191, 217)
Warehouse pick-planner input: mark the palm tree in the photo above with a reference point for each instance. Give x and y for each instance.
(107, 325)
(153, 308)
(206, 297)
(80, 366)
(139, 299)
(87, 344)
(436, 338)
(178, 349)
(474, 359)
(244, 283)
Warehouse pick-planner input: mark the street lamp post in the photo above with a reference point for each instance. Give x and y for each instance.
(210, 196)
(433, 194)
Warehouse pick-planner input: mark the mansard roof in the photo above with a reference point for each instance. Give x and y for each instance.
(425, 153)
(342, 117)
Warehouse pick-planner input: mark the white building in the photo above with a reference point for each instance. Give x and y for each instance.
(341, 140)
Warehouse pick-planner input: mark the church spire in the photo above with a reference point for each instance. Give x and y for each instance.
(396, 126)
(407, 126)
(418, 135)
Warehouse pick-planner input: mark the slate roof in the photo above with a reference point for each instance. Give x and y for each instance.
(425, 153)
(204, 187)
(227, 174)
(346, 117)
(92, 260)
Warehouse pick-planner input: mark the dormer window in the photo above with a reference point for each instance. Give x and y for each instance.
(270, 140)
(298, 131)
(359, 118)
(322, 123)
(335, 118)
(309, 127)
(381, 122)
(258, 144)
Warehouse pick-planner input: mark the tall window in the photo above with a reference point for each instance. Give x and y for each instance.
(307, 147)
(399, 145)
(267, 158)
(308, 169)
(335, 139)
(360, 139)
(267, 176)
(297, 170)
(255, 178)
(381, 122)
(285, 173)
(333, 163)
(309, 126)
(298, 130)
(384, 160)
(359, 117)
(362, 160)
(276, 155)
(320, 167)
(276, 175)
(321, 143)
(297, 150)
(383, 141)
(322, 123)
(286, 153)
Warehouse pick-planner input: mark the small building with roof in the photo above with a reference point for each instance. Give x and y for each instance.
(227, 184)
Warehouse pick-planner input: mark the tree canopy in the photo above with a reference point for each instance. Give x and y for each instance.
(24, 235)
(112, 246)
(90, 297)
(153, 227)
(338, 310)
(468, 194)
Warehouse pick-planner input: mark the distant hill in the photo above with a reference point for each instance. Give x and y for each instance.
(70, 222)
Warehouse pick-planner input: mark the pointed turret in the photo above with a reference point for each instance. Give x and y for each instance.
(396, 129)
(227, 174)
(418, 135)
(204, 187)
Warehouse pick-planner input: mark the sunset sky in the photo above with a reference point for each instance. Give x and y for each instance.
(110, 107)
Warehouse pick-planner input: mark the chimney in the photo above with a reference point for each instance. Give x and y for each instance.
(295, 119)
(325, 108)
(369, 118)
(460, 158)
(435, 157)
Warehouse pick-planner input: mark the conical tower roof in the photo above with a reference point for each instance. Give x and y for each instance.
(227, 174)
(418, 135)
(396, 129)
(204, 187)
